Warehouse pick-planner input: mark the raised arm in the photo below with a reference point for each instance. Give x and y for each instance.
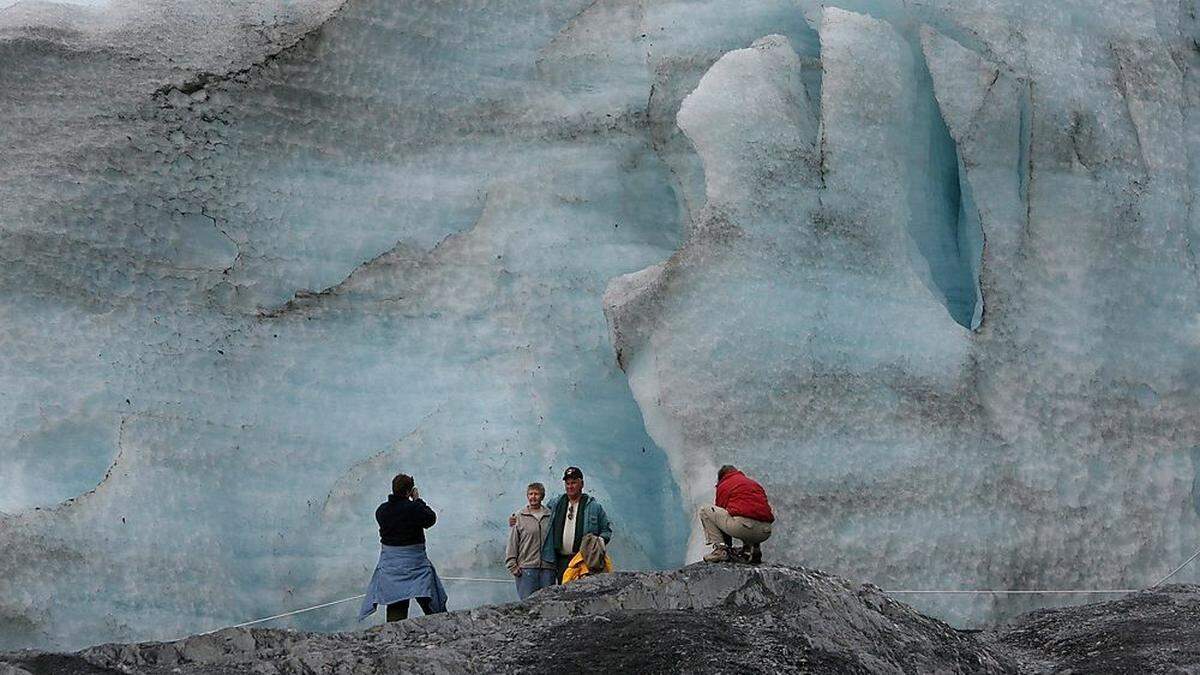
(428, 517)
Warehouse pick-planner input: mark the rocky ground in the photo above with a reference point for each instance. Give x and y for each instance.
(1148, 632)
(702, 618)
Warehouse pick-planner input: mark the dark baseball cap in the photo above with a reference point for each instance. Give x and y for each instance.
(572, 472)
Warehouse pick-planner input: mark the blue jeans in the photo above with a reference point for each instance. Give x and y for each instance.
(533, 580)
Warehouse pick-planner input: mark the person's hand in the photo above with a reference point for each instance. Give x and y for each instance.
(415, 493)
(517, 572)
(512, 520)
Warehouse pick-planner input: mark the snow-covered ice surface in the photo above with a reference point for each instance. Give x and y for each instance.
(927, 271)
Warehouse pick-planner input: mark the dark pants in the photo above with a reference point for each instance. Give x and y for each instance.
(398, 611)
(561, 562)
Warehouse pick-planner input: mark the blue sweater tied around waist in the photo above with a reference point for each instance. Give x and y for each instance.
(403, 573)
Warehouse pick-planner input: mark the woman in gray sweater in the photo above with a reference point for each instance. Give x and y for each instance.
(523, 556)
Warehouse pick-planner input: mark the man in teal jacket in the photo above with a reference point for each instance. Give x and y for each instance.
(575, 514)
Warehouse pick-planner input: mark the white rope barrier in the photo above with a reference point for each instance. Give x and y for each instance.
(1084, 591)
(328, 604)
(1185, 564)
(291, 613)
(479, 579)
(1106, 591)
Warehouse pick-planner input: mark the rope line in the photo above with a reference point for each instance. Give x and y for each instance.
(291, 613)
(482, 579)
(1073, 591)
(324, 605)
(1185, 564)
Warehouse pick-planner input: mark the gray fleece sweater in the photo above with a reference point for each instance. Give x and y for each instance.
(525, 540)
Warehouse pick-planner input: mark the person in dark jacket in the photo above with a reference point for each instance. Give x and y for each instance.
(404, 570)
(575, 513)
(741, 512)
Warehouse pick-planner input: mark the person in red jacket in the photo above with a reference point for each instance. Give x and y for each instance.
(741, 512)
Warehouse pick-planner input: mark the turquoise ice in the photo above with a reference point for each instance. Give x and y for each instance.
(927, 271)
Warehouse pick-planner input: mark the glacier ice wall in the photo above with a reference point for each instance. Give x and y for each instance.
(926, 270)
(240, 298)
(1042, 443)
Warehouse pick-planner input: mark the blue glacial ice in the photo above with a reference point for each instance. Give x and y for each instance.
(925, 270)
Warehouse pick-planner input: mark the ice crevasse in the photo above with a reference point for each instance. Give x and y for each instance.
(925, 271)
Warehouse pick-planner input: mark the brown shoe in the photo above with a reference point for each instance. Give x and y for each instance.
(719, 554)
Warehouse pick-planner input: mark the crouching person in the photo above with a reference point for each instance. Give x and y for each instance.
(404, 571)
(591, 559)
(741, 512)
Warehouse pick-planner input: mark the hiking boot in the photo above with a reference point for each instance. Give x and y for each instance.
(756, 555)
(719, 554)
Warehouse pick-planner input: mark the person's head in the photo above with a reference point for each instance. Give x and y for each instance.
(573, 482)
(725, 471)
(535, 493)
(402, 485)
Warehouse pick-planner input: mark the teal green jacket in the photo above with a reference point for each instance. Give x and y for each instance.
(594, 521)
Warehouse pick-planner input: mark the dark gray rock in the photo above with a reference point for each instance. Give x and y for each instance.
(702, 618)
(1149, 632)
(721, 618)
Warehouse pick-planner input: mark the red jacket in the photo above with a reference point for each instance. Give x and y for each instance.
(742, 496)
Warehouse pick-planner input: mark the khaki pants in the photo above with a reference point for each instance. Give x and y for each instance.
(718, 524)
